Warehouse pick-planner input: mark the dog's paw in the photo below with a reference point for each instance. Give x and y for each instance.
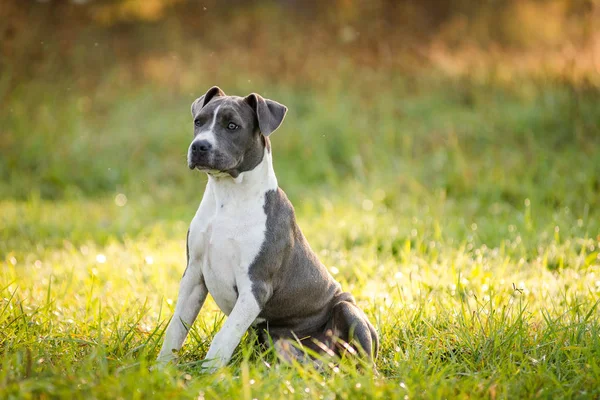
(163, 361)
(160, 365)
(289, 351)
(211, 365)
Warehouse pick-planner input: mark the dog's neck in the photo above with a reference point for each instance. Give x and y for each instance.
(248, 184)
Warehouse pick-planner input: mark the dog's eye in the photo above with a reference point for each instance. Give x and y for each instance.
(197, 122)
(232, 126)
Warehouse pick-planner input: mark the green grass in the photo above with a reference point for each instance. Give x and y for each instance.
(463, 215)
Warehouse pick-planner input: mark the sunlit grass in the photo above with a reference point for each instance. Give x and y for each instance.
(84, 318)
(463, 216)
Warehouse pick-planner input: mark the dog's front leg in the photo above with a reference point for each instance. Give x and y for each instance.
(245, 311)
(192, 293)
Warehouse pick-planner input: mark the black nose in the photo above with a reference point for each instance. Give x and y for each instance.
(201, 146)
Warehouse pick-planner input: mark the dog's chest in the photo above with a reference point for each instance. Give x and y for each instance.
(225, 237)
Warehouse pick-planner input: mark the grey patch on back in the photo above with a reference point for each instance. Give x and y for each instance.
(286, 270)
(298, 296)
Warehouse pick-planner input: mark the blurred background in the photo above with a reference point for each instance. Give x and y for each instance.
(443, 158)
(485, 103)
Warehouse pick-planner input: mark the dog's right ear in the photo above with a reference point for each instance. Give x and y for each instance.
(203, 100)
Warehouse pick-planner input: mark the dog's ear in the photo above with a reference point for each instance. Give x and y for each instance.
(269, 113)
(203, 100)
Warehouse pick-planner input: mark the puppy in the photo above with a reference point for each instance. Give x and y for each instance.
(245, 248)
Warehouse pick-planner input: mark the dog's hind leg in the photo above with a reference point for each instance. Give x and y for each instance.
(374, 338)
(288, 352)
(351, 327)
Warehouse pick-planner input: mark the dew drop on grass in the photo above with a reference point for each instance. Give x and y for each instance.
(13, 260)
(379, 195)
(120, 200)
(101, 258)
(334, 270)
(289, 387)
(149, 260)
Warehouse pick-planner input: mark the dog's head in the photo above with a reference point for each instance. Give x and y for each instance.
(231, 132)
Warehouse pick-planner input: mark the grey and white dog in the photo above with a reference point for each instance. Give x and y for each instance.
(245, 248)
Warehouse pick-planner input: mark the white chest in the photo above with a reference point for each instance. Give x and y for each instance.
(226, 235)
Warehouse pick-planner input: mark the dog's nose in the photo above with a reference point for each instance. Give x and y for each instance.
(201, 146)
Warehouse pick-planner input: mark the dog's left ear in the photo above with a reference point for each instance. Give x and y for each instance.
(203, 100)
(270, 114)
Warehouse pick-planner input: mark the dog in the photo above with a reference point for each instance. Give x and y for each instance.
(245, 248)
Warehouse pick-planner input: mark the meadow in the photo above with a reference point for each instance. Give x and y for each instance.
(461, 210)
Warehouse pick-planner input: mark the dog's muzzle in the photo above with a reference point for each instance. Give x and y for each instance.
(199, 154)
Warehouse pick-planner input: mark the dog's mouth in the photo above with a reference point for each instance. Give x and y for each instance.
(194, 166)
(217, 173)
(200, 163)
(217, 165)
(206, 170)
(201, 167)
(210, 170)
